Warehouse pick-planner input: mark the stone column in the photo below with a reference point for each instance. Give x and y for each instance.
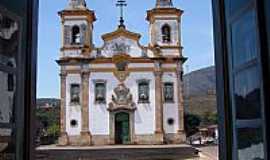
(181, 130)
(159, 132)
(85, 132)
(63, 139)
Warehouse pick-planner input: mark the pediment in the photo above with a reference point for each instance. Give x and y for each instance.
(121, 42)
(121, 32)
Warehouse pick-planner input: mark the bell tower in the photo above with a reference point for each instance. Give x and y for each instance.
(164, 28)
(77, 29)
(164, 3)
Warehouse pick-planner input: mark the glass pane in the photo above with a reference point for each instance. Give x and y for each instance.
(250, 144)
(9, 41)
(236, 5)
(75, 93)
(247, 94)
(7, 94)
(244, 39)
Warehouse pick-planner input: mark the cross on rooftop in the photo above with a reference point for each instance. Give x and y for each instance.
(121, 4)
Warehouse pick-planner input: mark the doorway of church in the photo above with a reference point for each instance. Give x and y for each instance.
(122, 130)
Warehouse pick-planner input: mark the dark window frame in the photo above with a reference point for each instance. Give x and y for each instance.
(172, 85)
(77, 100)
(222, 66)
(147, 84)
(103, 83)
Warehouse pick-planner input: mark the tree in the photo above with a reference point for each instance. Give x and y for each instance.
(192, 122)
(210, 118)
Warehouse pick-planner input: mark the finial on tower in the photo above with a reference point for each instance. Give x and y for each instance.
(164, 4)
(121, 4)
(77, 4)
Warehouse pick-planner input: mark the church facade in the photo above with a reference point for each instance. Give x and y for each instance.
(121, 92)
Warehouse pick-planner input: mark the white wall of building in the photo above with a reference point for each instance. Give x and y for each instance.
(171, 109)
(73, 112)
(98, 113)
(145, 113)
(156, 29)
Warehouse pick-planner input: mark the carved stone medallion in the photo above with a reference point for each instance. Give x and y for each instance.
(122, 99)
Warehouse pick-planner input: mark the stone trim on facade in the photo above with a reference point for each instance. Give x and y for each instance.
(85, 133)
(144, 139)
(159, 132)
(63, 139)
(131, 126)
(180, 98)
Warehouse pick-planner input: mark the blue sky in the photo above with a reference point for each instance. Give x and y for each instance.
(197, 36)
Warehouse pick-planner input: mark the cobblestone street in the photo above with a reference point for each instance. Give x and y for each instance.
(208, 152)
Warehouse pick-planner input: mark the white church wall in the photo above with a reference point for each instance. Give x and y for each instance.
(98, 113)
(94, 66)
(141, 65)
(72, 53)
(169, 65)
(73, 112)
(72, 22)
(170, 52)
(145, 113)
(157, 26)
(171, 109)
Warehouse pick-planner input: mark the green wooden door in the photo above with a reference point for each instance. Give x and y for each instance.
(122, 132)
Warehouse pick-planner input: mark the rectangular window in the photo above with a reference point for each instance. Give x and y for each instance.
(168, 93)
(246, 88)
(100, 92)
(75, 94)
(143, 88)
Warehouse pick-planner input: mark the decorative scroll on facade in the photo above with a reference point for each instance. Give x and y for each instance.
(122, 100)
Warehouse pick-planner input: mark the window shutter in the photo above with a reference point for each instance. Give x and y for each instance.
(83, 33)
(67, 35)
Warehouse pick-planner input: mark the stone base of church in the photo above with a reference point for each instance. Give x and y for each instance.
(100, 140)
(175, 138)
(149, 139)
(85, 139)
(63, 140)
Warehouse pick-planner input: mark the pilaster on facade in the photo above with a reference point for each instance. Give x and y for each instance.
(159, 132)
(63, 139)
(181, 113)
(85, 132)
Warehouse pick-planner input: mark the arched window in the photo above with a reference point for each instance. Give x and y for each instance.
(76, 36)
(166, 33)
(10, 79)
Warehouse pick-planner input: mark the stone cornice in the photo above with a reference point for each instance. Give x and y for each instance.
(76, 60)
(91, 17)
(163, 11)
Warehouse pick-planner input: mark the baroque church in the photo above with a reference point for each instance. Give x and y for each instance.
(121, 92)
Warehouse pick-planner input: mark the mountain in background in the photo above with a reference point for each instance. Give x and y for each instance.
(200, 82)
(200, 92)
